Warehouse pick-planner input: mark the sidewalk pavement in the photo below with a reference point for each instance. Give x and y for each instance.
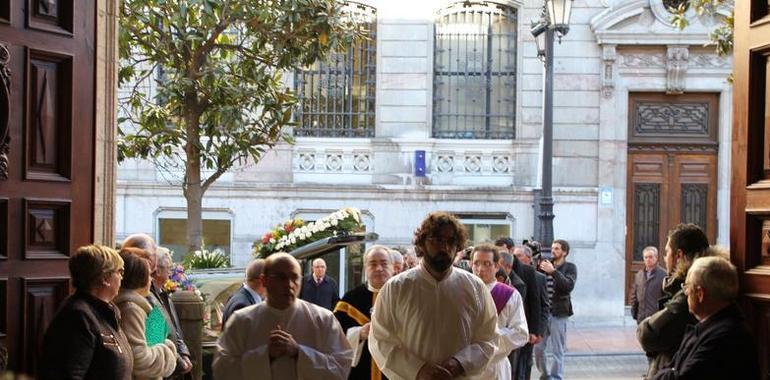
(616, 338)
(603, 351)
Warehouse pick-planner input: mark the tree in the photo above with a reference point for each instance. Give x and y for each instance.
(219, 98)
(722, 35)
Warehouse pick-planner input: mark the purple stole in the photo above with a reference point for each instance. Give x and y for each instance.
(501, 293)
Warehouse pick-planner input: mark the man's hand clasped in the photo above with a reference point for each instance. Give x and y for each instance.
(449, 369)
(281, 343)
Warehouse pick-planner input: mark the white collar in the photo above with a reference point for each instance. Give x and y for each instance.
(257, 297)
(372, 289)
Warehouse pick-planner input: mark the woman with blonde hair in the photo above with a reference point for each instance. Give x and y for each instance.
(151, 361)
(85, 339)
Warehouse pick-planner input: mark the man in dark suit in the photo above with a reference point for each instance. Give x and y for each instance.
(318, 288)
(648, 286)
(720, 345)
(250, 293)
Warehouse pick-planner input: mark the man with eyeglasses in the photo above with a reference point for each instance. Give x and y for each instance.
(511, 320)
(720, 345)
(435, 321)
(283, 337)
(354, 311)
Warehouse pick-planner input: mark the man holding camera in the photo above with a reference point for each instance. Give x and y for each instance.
(549, 353)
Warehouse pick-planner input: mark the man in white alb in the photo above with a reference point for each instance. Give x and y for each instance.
(512, 328)
(285, 337)
(436, 321)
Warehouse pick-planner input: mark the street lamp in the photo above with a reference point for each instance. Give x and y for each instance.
(553, 20)
(559, 12)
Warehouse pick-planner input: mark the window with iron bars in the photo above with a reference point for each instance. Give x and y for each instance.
(337, 95)
(474, 75)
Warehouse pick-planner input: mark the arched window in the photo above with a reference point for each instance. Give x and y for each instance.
(337, 96)
(474, 72)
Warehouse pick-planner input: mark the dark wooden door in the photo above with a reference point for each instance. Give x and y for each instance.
(672, 170)
(750, 190)
(47, 199)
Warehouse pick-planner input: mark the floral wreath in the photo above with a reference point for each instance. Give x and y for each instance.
(295, 233)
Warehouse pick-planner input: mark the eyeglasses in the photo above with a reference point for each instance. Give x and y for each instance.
(283, 276)
(688, 287)
(436, 240)
(120, 271)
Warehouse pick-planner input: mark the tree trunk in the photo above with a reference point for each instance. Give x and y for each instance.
(193, 186)
(194, 196)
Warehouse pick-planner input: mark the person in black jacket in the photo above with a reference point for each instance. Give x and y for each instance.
(521, 364)
(720, 346)
(549, 353)
(84, 339)
(250, 293)
(535, 308)
(318, 288)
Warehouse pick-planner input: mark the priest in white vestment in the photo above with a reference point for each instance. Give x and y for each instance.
(434, 321)
(284, 338)
(512, 328)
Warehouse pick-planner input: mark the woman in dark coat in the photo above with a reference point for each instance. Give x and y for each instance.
(84, 339)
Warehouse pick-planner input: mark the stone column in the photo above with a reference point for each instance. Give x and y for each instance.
(189, 308)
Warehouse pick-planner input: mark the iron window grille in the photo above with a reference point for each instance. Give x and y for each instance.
(474, 74)
(337, 96)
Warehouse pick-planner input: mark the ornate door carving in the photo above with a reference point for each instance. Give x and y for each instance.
(672, 170)
(47, 195)
(750, 190)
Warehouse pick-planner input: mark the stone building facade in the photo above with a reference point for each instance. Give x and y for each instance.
(635, 100)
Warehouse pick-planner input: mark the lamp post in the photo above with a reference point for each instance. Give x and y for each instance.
(554, 21)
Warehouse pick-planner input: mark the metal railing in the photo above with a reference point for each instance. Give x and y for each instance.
(474, 76)
(337, 96)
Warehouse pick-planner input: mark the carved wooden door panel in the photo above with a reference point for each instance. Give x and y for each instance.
(750, 190)
(47, 163)
(672, 170)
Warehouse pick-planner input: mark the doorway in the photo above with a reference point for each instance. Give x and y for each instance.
(672, 170)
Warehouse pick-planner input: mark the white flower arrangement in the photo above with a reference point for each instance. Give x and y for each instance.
(306, 232)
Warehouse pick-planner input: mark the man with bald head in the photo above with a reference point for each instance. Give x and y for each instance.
(250, 293)
(145, 242)
(318, 288)
(284, 337)
(354, 311)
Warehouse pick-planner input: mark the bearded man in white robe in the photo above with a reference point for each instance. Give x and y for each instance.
(435, 321)
(285, 337)
(512, 328)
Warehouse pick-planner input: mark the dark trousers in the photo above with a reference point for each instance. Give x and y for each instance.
(513, 357)
(522, 368)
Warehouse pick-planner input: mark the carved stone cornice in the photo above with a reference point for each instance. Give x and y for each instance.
(642, 60)
(5, 110)
(708, 61)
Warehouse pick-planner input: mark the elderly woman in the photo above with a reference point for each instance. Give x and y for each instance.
(661, 333)
(84, 339)
(153, 361)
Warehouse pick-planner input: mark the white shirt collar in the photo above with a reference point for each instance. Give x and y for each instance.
(372, 289)
(257, 297)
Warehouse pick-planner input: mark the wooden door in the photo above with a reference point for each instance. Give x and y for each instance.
(672, 170)
(47, 53)
(750, 190)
